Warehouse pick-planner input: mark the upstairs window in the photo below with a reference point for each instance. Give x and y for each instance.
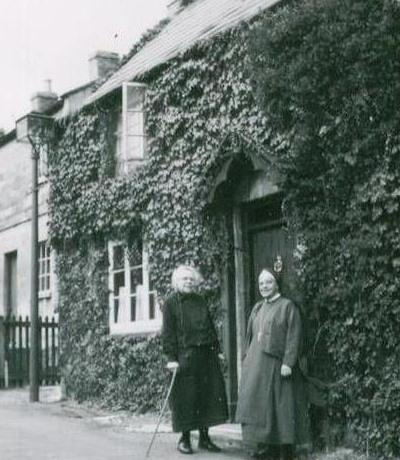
(131, 129)
(133, 300)
(44, 261)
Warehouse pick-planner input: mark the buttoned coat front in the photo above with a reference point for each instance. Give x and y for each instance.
(281, 332)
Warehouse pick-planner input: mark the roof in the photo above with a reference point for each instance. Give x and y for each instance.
(199, 21)
(73, 100)
(8, 137)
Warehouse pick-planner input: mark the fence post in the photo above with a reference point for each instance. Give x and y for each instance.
(2, 351)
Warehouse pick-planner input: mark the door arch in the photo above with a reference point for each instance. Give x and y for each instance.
(248, 194)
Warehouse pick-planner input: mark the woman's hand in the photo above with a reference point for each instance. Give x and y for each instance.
(286, 371)
(221, 356)
(172, 365)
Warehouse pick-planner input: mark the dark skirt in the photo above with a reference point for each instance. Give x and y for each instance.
(198, 398)
(272, 409)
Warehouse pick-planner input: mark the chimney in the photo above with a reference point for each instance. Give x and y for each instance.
(174, 7)
(44, 100)
(102, 63)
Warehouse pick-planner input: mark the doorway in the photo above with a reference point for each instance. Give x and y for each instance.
(261, 240)
(247, 194)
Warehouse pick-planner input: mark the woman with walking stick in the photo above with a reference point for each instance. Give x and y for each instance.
(198, 399)
(272, 405)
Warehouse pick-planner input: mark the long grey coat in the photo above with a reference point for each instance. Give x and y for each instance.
(273, 409)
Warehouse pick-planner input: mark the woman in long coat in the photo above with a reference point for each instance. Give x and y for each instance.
(272, 404)
(190, 342)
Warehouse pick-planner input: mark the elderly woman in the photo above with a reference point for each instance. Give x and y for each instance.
(190, 343)
(272, 404)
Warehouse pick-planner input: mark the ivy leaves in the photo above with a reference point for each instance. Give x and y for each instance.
(200, 112)
(326, 81)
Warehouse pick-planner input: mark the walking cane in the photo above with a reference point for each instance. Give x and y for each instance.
(162, 411)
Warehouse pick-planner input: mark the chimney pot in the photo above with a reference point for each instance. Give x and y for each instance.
(102, 63)
(44, 100)
(47, 85)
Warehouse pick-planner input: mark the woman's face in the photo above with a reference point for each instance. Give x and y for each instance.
(267, 285)
(187, 281)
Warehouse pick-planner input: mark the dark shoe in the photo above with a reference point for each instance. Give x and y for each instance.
(184, 446)
(207, 444)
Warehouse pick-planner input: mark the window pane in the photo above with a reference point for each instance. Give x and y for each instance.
(151, 284)
(133, 308)
(136, 279)
(135, 254)
(152, 305)
(116, 308)
(118, 257)
(135, 123)
(44, 266)
(119, 282)
(135, 147)
(136, 97)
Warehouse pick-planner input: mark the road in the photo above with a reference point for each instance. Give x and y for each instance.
(37, 431)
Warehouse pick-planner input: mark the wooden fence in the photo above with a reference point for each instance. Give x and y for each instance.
(14, 351)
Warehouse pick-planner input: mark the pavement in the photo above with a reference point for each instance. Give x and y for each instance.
(57, 429)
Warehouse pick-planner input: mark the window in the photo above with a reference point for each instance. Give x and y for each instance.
(44, 268)
(131, 133)
(133, 300)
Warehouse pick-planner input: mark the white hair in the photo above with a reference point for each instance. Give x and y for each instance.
(178, 272)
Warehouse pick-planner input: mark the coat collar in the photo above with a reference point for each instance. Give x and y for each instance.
(273, 298)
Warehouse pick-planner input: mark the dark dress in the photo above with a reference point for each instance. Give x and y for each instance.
(198, 398)
(273, 409)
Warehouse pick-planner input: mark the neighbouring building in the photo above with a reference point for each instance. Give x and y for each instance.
(16, 202)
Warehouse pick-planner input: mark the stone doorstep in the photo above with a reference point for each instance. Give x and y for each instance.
(226, 435)
(229, 434)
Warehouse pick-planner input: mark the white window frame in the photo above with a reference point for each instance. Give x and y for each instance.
(140, 326)
(47, 272)
(126, 160)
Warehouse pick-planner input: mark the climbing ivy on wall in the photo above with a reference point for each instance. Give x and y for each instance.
(328, 79)
(200, 112)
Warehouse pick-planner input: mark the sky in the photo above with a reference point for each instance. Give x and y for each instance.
(53, 39)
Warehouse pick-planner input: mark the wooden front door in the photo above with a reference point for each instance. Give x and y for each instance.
(269, 244)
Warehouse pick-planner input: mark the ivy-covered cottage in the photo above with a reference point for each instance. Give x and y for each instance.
(171, 161)
(168, 163)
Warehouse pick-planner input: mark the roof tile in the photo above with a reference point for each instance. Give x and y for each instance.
(199, 21)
